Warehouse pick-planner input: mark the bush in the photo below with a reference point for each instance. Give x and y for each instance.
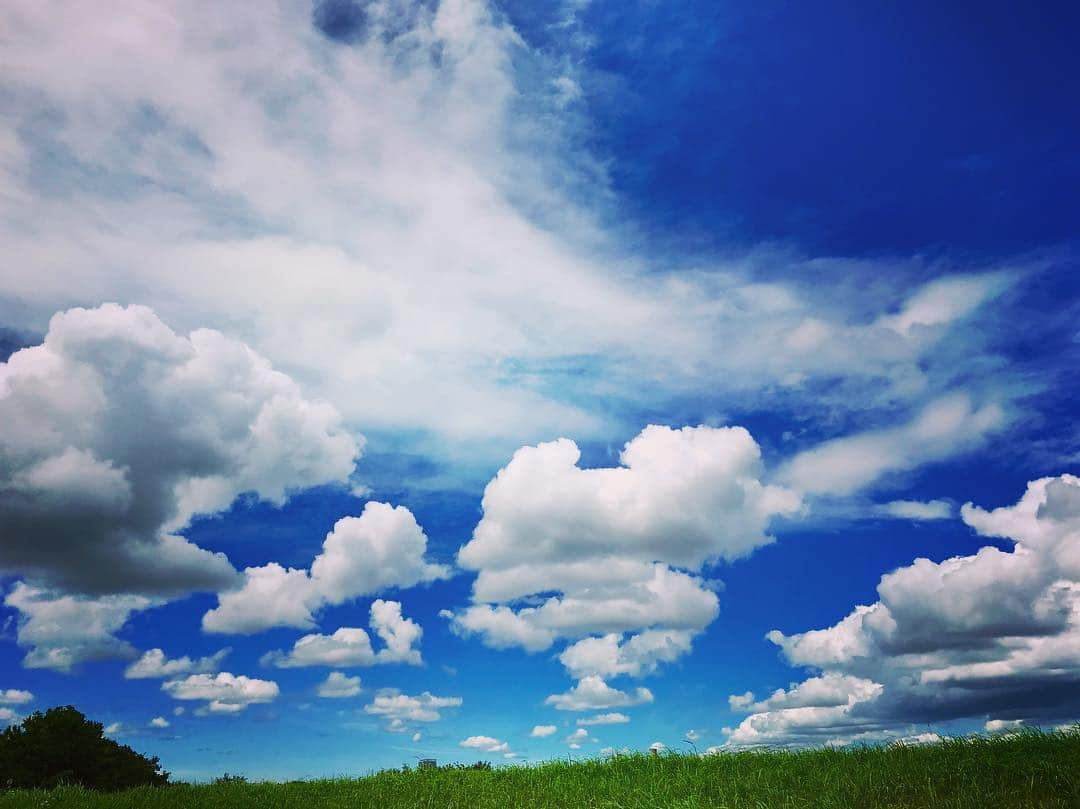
(62, 747)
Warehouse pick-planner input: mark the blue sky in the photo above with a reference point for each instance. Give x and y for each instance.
(298, 304)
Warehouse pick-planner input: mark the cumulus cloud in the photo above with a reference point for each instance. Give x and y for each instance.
(608, 541)
(115, 431)
(993, 633)
(641, 654)
(15, 696)
(351, 646)
(740, 702)
(542, 731)
(592, 693)
(486, 743)
(339, 685)
(400, 709)
(614, 718)
(154, 664)
(63, 631)
(384, 547)
(159, 722)
(222, 693)
(577, 738)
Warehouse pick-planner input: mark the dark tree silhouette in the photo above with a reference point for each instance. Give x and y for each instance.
(61, 746)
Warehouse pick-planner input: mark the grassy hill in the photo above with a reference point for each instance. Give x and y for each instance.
(1024, 770)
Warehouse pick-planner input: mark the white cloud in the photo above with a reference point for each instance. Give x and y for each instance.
(592, 693)
(485, 743)
(347, 646)
(351, 646)
(116, 431)
(400, 709)
(740, 702)
(339, 685)
(178, 710)
(384, 547)
(9, 716)
(15, 696)
(944, 427)
(541, 731)
(417, 736)
(946, 300)
(608, 656)
(64, 631)
(692, 736)
(607, 541)
(918, 510)
(577, 738)
(154, 664)
(159, 722)
(1003, 725)
(997, 632)
(614, 718)
(224, 692)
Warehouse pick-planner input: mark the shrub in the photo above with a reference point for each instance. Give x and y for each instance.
(62, 747)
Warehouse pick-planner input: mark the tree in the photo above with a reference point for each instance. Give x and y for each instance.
(61, 746)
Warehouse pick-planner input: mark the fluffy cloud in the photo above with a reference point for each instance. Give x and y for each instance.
(383, 547)
(608, 542)
(223, 693)
(740, 702)
(350, 646)
(63, 631)
(339, 685)
(154, 664)
(613, 718)
(542, 731)
(115, 431)
(401, 709)
(997, 633)
(159, 722)
(486, 743)
(577, 738)
(944, 427)
(592, 693)
(608, 656)
(15, 696)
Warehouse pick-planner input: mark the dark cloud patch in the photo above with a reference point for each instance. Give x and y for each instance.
(344, 21)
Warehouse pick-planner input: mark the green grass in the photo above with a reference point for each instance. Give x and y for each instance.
(1026, 770)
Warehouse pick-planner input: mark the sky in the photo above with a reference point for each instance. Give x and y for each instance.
(508, 381)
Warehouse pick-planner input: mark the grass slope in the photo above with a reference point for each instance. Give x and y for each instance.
(1025, 770)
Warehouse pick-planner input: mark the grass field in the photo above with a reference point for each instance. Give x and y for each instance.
(1025, 770)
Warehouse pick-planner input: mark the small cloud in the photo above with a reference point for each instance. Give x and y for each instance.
(338, 685)
(614, 718)
(13, 696)
(540, 731)
(159, 722)
(693, 736)
(740, 702)
(1003, 725)
(417, 736)
(178, 710)
(577, 738)
(917, 510)
(488, 744)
